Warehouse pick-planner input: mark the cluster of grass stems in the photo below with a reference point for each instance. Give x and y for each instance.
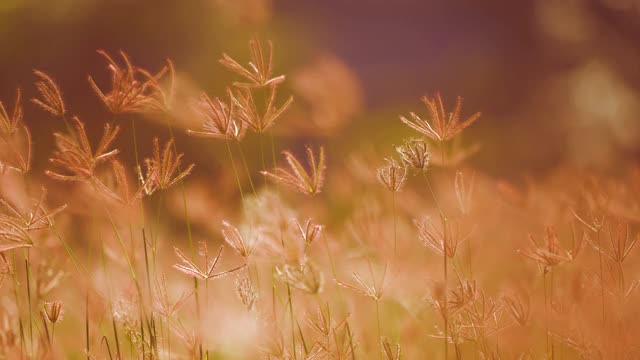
(437, 254)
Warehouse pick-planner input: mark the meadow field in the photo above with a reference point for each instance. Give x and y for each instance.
(247, 193)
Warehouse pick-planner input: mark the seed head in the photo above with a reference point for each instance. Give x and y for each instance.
(373, 290)
(309, 183)
(245, 291)
(163, 169)
(9, 124)
(132, 89)
(76, 156)
(233, 237)
(442, 126)
(51, 96)
(620, 241)
(309, 232)
(392, 175)
(302, 276)
(387, 351)
(261, 117)
(188, 267)
(519, 307)
(54, 311)
(16, 147)
(547, 253)
(443, 239)
(164, 306)
(220, 118)
(260, 70)
(415, 154)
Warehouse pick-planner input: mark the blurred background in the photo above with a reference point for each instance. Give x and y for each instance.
(556, 81)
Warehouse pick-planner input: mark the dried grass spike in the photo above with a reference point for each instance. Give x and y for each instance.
(443, 125)
(392, 175)
(306, 182)
(260, 70)
(51, 96)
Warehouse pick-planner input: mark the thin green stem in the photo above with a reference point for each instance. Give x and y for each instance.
(469, 257)
(546, 311)
(551, 304)
(246, 167)
(601, 279)
(115, 334)
(264, 164)
(273, 158)
(446, 290)
(187, 221)
(395, 226)
(86, 322)
(27, 270)
(235, 172)
(333, 268)
(433, 194)
(378, 326)
(53, 331)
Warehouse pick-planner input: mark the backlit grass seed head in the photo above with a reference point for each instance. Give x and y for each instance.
(548, 253)
(244, 246)
(519, 307)
(119, 188)
(258, 117)
(442, 125)
(309, 232)
(164, 306)
(613, 281)
(13, 235)
(16, 151)
(302, 276)
(387, 350)
(16, 225)
(75, 155)
(161, 96)
(132, 89)
(441, 239)
(415, 154)
(393, 175)
(163, 169)
(188, 267)
(126, 311)
(35, 218)
(16, 146)
(259, 73)
(461, 295)
(189, 338)
(245, 291)
(11, 122)
(50, 95)
(54, 311)
(371, 290)
(485, 313)
(620, 241)
(298, 178)
(322, 323)
(220, 119)
(5, 268)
